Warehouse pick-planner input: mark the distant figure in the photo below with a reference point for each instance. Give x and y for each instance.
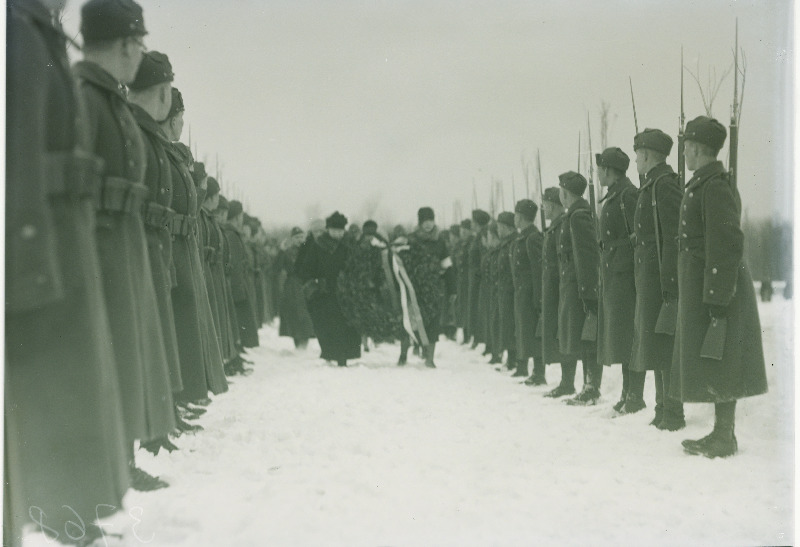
(766, 290)
(787, 290)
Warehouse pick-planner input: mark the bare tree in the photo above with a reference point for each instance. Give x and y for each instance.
(713, 84)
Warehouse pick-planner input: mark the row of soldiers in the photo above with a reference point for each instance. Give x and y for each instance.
(656, 282)
(132, 286)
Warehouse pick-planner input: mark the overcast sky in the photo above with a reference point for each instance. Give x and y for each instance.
(377, 108)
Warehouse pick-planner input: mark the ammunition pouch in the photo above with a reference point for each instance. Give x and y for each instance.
(158, 216)
(183, 225)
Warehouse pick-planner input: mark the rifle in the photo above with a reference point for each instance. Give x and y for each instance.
(589, 331)
(513, 192)
(579, 152)
(474, 195)
(544, 251)
(525, 170)
(541, 189)
(734, 128)
(681, 137)
(635, 123)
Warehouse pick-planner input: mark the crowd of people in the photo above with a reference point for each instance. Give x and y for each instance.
(134, 287)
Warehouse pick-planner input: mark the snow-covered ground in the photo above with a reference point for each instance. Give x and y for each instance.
(303, 453)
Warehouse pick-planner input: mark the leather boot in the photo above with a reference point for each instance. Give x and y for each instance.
(721, 443)
(404, 345)
(672, 418)
(635, 399)
(626, 374)
(522, 369)
(429, 351)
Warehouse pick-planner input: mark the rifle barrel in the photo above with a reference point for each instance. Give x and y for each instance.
(633, 102)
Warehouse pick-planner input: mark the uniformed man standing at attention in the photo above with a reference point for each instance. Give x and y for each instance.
(656, 270)
(578, 258)
(113, 33)
(618, 290)
(526, 269)
(718, 356)
(504, 304)
(65, 447)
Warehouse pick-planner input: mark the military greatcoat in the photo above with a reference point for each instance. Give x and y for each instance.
(133, 314)
(656, 277)
(475, 266)
(711, 272)
(578, 259)
(548, 320)
(506, 332)
(65, 439)
(526, 270)
(618, 289)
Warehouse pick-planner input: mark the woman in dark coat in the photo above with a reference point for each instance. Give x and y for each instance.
(295, 320)
(322, 260)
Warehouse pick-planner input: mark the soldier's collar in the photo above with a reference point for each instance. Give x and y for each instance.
(579, 203)
(94, 73)
(147, 123)
(713, 168)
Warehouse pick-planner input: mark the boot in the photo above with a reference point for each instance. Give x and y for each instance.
(658, 416)
(342, 362)
(429, 351)
(560, 391)
(721, 443)
(658, 376)
(156, 445)
(626, 375)
(591, 388)
(142, 481)
(522, 369)
(403, 353)
(672, 418)
(634, 402)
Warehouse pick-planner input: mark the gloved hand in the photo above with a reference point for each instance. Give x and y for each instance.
(717, 312)
(590, 306)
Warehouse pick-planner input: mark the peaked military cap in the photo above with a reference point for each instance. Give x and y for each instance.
(425, 213)
(154, 69)
(480, 217)
(613, 157)
(235, 208)
(552, 195)
(706, 131)
(653, 139)
(369, 227)
(177, 103)
(212, 187)
(507, 218)
(336, 220)
(573, 182)
(526, 208)
(111, 19)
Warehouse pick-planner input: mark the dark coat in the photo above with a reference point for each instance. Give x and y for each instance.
(201, 360)
(485, 304)
(461, 262)
(711, 272)
(322, 260)
(133, 314)
(239, 269)
(506, 334)
(65, 441)
(578, 259)
(225, 258)
(295, 321)
(157, 219)
(526, 270)
(655, 278)
(548, 320)
(429, 271)
(618, 289)
(474, 266)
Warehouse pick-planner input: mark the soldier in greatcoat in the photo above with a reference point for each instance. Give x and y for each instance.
(150, 95)
(578, 287)
(526, 270)
(488, 308)
(656, 270)
(240, 267)
(65, 440)
(504, 301)
(201, 362)
(718, 356)
(294, 319)
(480, 221)
(547, 327)
(112, 49)
(618, 289)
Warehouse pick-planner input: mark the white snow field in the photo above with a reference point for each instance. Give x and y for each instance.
(304, 453)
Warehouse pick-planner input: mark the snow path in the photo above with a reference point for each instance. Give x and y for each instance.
(302, 453)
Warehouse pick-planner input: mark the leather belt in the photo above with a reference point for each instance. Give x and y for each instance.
(72, 174)
(120, 195)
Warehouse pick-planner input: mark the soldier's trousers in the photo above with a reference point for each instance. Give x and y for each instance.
(664, 403)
